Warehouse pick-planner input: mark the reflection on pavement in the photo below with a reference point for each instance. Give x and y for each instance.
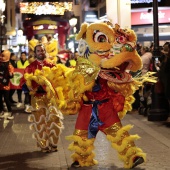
(6, 121)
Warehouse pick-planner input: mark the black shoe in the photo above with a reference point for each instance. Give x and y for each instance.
(137, 161)
(45, 150)
(75, 164)
(54, 149)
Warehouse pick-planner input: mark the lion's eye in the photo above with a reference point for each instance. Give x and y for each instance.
(121, 39)
(100, 37)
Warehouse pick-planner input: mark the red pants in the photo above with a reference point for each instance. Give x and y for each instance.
(106, 114)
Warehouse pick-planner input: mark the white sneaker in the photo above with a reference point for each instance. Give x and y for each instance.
(27, 108)
(2, 114)
(19, 104)
(149, 100)
(10, 116)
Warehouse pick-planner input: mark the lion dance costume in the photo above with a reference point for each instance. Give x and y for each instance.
(45, 119)
(100, 90)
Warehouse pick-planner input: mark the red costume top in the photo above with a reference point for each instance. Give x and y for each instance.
(32, 67)
(37, 65)
(107, 110)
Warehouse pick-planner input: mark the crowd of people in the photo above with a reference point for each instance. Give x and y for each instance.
(12, 61)
(159, 64)
(162, 66)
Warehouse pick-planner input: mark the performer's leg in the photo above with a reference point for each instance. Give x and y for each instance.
(124, 144)
(54, 127)
(38, 124)
(83, 148)
(46, 122)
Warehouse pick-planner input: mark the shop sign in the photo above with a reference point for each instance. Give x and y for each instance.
(141, 18)
(142, 1)
(38, 27)
(41, 27)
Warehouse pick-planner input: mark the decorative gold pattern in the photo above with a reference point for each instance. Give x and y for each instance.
(112, 130)
(82, 133)
(129, 145)
(88, 70)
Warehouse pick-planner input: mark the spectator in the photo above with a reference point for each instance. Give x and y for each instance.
(138, 48)
(74, 59)
(151, 47)
(164, 72)
(143, 94)
(146, 57)
(64, 57)
(13, 61)
(22, 64)
(6, 72)
(31, 58)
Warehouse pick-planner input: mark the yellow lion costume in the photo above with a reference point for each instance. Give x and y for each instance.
(100, 89)
(51, 47)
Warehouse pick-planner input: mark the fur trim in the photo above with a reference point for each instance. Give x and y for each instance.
(119, 134)
(124, 142)
(38, 128)
(87, 161)
(81, 142)
(132, 153)
(33, 119)
(81, 150)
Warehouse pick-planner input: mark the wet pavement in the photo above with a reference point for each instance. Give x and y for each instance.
(18, 150)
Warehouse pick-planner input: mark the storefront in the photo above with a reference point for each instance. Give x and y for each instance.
(142, 20)
(142, 24)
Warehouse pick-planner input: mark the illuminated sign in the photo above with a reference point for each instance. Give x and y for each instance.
(142, 1)
(45, 8)
(144, 16)
(52, 27)
(141, 18)
(41, 27)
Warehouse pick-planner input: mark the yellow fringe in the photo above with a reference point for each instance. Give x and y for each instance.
(119, 133)
(131, 154)
(127, 106)
(125, 142)
(81, 150)
(84, 161)
(131, 151)
(148, 77)
(128, 89)
(64, 87)
(80, 141)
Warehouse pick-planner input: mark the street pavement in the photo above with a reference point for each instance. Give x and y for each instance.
(18, 150)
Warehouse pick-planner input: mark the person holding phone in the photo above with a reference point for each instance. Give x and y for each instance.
(146, 57)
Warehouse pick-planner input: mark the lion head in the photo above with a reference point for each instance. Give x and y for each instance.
(110, 48)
